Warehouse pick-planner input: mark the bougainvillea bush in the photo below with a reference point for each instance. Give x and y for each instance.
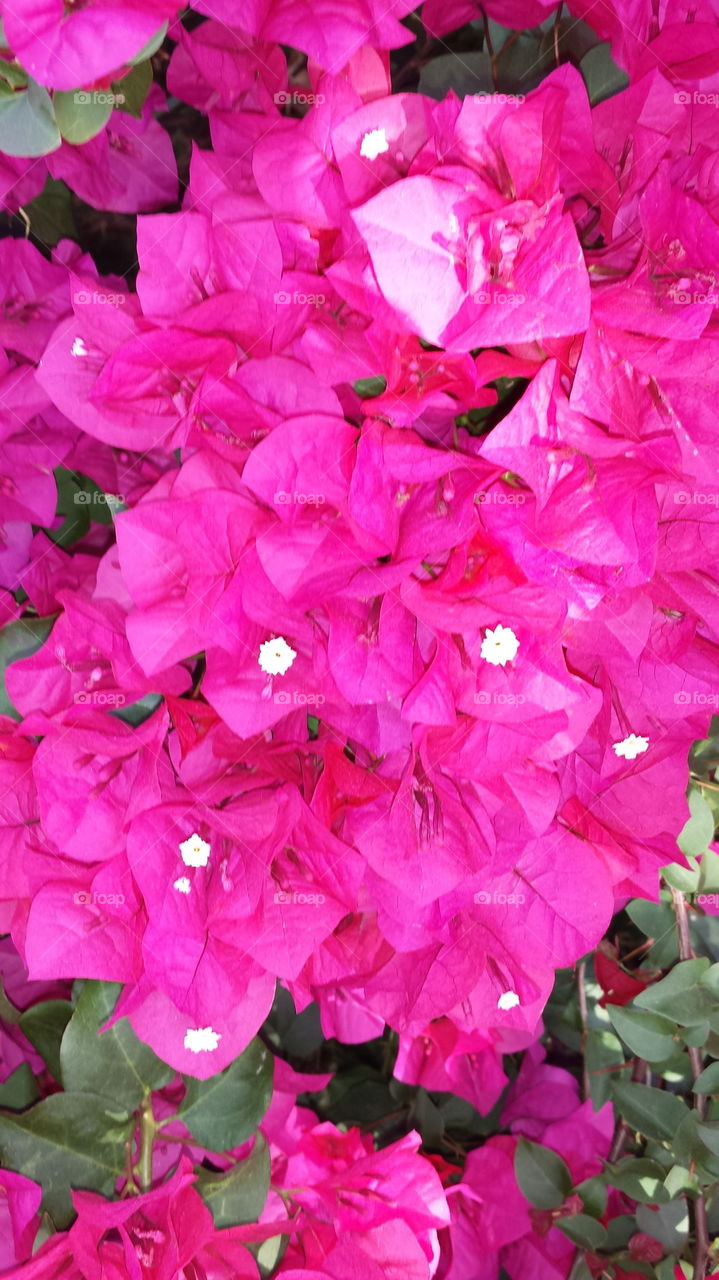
(359, 640)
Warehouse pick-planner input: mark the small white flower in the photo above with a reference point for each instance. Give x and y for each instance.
(276, 656)
(374, 144)
(499, 646)
(78, 348)
(195, 851)
(631, 747)
(182, 884)
(201, 1039)
(508, 1000)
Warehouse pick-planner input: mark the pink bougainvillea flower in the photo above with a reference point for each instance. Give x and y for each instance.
(218, 67)
(463, 276)
(65, 49)
(331, 32)
(93, 773)
(130, 167)
(164, 1233)
(35, 296)
(446, 1060)
(440, 18)
(19, 1210)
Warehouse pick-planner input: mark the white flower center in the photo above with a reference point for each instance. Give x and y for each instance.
(78, 348)
(631, 747)
(374, 144)
(276, 656)
(508, 1000)
(500, 646)
(182, 884)
(195, 851)
(201, 1039)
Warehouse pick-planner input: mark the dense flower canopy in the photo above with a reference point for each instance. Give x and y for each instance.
(374, 668)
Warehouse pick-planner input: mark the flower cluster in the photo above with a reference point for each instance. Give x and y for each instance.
(357, 573)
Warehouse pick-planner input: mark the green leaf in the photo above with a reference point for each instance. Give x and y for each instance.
(223, 1111)
(710, 979)
(669, 1224)
(523, 63)
(602, 76)
(19, 639)
(680, 1180)
(76, 511)
(698, 831)
(649, 1035)
(593, 1192)
(704, 931)
(67, 1140)
(239, 1195)
(684, 878)
(709, 871)
(603, 1050)
(81, 500)
(656, 920)
(131, 91)
(696, 1035)
(153, 44)
(709, 1134)
(463, 73)
(652, 1112)
(13, 74)
(113, 1062)
(269, 1254)
(27, 123)
(678, 996)
(366, 388)
(543, 1177)
(138, 712)
(81, 114)
(44, 1024)
(19, 1090)
(687, 1146)
(708, 1081)
(665, 1270)
(620, 1231)
(51, 215)
(583, 1230)
(643, 1180)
